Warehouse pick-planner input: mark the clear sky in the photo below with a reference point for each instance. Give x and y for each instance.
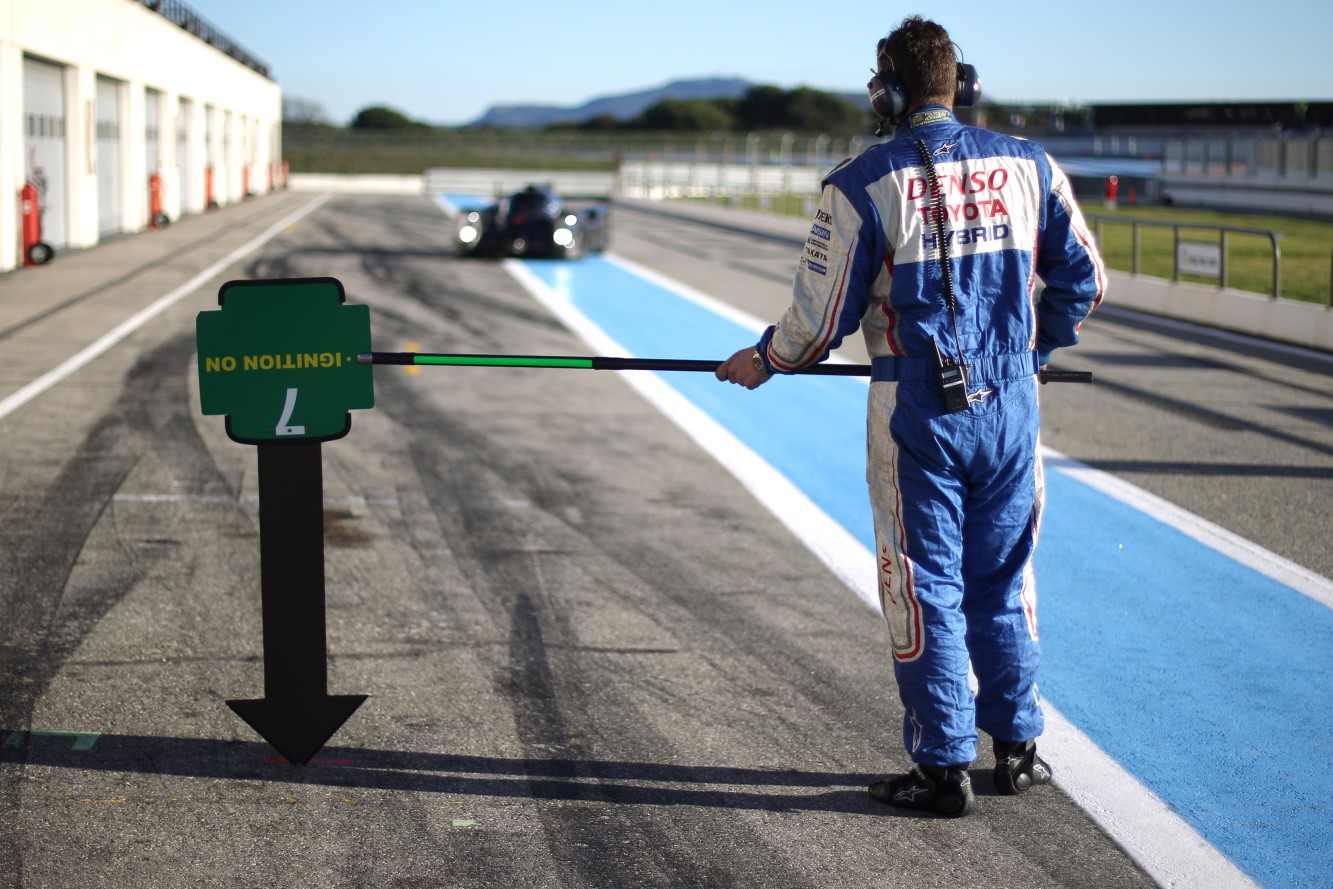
(446, 62)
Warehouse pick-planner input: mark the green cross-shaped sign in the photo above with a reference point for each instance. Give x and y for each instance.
(279, 360)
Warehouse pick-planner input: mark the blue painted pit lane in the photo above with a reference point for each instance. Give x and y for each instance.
(1207, 680)
(453, 204)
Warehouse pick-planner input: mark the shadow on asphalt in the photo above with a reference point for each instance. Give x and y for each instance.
(591, 780)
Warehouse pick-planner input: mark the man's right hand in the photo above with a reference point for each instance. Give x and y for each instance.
(740, 369)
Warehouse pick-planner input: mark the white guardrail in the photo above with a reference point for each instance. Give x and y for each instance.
(487, 183)
(498, 183)
(656, 180)
(637, 179)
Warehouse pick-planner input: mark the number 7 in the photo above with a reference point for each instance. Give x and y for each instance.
(288, 405)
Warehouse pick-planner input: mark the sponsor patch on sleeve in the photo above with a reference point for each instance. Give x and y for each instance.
(816, 251)
(816, 267)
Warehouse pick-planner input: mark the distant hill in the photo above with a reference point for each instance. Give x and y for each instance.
(622, 107)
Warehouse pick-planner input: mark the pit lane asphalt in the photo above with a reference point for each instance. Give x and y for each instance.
(592, 660)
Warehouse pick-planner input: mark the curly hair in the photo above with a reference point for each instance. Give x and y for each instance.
(923, 60)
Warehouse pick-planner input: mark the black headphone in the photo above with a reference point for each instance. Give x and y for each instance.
(890, 101)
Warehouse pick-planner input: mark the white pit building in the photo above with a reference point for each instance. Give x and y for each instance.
(110, 108)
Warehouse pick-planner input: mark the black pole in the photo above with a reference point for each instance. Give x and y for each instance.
(296, 715)
(601, 362)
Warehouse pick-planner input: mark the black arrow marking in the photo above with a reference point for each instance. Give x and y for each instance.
(297, 715)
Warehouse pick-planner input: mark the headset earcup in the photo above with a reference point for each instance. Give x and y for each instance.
(887, 98)
(969, 87)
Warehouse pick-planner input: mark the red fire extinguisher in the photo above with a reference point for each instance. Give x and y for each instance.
(156, 218)
(210, 202)
(35, 251)
(1110, 191)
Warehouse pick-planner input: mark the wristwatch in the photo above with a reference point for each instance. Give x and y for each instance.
(758, 361)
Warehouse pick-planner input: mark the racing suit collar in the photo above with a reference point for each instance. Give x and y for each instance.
(928, 114)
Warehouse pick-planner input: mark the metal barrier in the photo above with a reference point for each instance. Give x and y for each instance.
(1222, 268)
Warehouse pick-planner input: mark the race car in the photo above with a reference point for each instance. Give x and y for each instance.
(532, 222)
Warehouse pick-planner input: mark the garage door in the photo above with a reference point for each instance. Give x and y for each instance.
(108, 156)
(152, 133)
(183, 153)
(152, 116)
(44, 144)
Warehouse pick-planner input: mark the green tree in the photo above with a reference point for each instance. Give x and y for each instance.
(685, 115)
(813, 111)
(601, 123)
(763, 108)
(302, 111)
(379, 117)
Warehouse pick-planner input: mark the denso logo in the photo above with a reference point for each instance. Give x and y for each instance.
(976, 183)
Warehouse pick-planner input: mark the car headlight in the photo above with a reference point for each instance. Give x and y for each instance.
(467, 234)
(563, 236)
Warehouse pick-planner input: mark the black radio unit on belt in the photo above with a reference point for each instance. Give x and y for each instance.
(952, 378)
(952, 375)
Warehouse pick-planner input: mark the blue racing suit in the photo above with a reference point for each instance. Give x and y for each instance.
(957, 497)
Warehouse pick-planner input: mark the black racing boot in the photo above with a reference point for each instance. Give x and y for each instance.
(939, 791)
(1018, 767)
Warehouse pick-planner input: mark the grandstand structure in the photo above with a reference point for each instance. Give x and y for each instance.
(122, 114)
(1245, 155)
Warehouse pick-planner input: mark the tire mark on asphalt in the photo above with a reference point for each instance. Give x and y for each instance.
(552, 686)
(467, 459)
(502, 558)
(1209, 416)
(42, 542)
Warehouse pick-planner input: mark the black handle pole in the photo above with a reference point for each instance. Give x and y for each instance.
(608, 363)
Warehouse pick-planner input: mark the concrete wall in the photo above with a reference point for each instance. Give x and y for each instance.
(657, 180)
(501, 183)
(1256, 194)
(124, 41)
(1282, 320)
(486, 183)
(341, 183)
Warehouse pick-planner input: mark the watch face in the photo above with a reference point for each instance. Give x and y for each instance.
(758, 363)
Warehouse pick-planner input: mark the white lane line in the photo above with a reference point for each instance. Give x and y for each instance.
(698, 297)
(1161, 842)
(834, 544)
(1233, 546)
(113, 336)
(711, 303)
(1171, 851)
